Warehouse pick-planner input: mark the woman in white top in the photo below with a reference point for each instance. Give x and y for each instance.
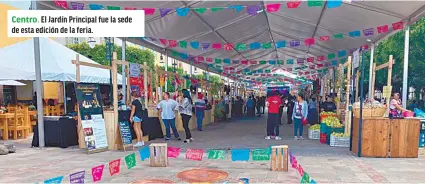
(395, 106)
(167, 107)
(185, 110)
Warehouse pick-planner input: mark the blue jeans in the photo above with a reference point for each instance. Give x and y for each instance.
(172, 123)
(199, 119)
(298, 127)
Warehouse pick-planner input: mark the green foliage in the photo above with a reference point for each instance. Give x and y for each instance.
(171, 79)
(219, 111)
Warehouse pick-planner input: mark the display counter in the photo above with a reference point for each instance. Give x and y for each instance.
(58, 132)
(384, 137)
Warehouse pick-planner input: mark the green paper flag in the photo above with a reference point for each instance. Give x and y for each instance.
(263, 62)
(113, 8)
(313, 3)
(216, 154)
(342, 61)
(130, 160)
(183, 44)
(261, 154)
(174, 53)
(275, 75)
(267, 71)
(267, 45)
(339, 36)
(280, 62)
(305, 178)
(331, 55)
(218, 61)
(216, 9)
(200, 10)
(241, 47)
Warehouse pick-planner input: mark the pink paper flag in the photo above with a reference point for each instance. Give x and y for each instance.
(194, 154)
(62, 4)
(320, 58)
(319, 65)
(163, 41)
(306, 73)
(173, 152)
(398, 25)
(228, 47)
(382, 29)
(293, 4)
(365, 47)
(309, 41)
(209, 60)
(253, 62)
(310, 59)
(114, 167)
(244, 62)
(216, 46)
(312, 67)
(272, 7)
(300, 170)
(130, 8)
(149, 11)
(97, 172)
(172, 43)
(324, 38)
(200, 58)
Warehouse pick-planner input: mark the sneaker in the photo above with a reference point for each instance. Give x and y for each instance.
(186, 141)
(139, 144)
(295, 138)
(267, 138)
(167, 139)
(191, 139)
(277, 138)
(178, 138)
(301, 138)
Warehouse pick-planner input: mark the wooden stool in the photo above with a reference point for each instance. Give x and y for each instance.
(158, 155)
(279, 159)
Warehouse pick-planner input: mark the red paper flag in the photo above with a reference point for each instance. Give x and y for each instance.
(97, 173)
(244, 62)
(309, 41)
(231, 68)
(197, 62)
(324, 38)
(382, 29)
(269, 75)
(320, 58)
(172, 43)
(228, 47)
(293, 4)
(319, 65)
(398, 25)
(130, 8)
(253, 62)
(306, 73)
(173, 152)
(239, 72)
(300, 170)
(300, 73)
(310, 59)
(62, 4)
(272, 7)
(200, 58)
(216, 46)
(263, 75)
(163, 41)
(209, 60)
(312, 67)
(365, 47)
(114, 167)
(149, 11)
(194, 154)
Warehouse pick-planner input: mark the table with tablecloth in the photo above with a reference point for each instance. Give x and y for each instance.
(58, 132)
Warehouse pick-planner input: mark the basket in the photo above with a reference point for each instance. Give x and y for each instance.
(314, 134)
(340, 141)
(370, 112)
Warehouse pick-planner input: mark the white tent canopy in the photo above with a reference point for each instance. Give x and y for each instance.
(11, 83)
(17, 63)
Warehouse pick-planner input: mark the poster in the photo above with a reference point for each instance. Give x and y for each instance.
(136, 84)
(386, 92)
(134, 70)
(91, 113)
(356, 58)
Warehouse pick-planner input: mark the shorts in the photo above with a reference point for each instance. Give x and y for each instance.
(137, 119)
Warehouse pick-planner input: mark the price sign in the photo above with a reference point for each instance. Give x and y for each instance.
(387, 91)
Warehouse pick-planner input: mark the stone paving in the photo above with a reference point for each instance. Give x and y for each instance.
(323, 163)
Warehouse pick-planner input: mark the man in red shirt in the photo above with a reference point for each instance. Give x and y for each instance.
(274, 103)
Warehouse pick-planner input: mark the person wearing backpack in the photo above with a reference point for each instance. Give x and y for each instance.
(299, 116)
(136, 117)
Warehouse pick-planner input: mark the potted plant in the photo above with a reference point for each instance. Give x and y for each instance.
(218, 113)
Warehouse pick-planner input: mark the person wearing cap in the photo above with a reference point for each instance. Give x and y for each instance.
(199, 110)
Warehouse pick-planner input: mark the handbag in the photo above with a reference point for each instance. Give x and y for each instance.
(303, 120)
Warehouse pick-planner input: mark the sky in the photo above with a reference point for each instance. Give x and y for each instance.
(18, 4)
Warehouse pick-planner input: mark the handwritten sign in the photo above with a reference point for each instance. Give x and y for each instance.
(134, 70)
(130, 160)
(77, 177)
(261, 154)
(216, 154)
(125, 133)
(194, 154)
(356, 58)
(240, 154)
(386, 92)
(55, 180)
(114, 167)
(97, 173)
(173, 152)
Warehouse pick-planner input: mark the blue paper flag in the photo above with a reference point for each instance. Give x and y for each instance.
(246, 70)
(342, 53)
(280, 44)
(144, 153)
(182, 11)
(96, 7)
(184, 55)
(334, 3)
(164, 11)
(194, 45)
(334, 63)
(56, 180)
(254, 45)
(238, 8)
(240, 154)
(312, 182)
(290, 61)
(272, 62)
(205, 45)
(354, 33)
(226, 61)
(235, 61)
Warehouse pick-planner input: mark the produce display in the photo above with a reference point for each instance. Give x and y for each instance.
(314, 127)
(369, 105)
(340, 134)
(328, 113)
(332, 121)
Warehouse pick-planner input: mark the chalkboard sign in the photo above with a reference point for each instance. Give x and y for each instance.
(125, 133)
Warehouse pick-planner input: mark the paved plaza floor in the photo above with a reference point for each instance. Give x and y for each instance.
(323, 163)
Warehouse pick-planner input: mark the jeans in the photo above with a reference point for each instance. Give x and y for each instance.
(298, 127)
(199, 119)
(172, 123)
(186, 119)
(273, 124)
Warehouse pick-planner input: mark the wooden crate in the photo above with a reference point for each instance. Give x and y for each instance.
(158, 155)
(375, 137)
(404, 138)
(279, 158)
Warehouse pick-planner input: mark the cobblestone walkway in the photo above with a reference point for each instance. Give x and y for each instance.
(323, 163)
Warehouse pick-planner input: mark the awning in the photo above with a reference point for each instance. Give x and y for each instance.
(11, 83)
(335, 31)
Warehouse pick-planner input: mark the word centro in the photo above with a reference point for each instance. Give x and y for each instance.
(48, 30)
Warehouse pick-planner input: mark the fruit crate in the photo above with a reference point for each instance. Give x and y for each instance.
(324, 128)
(322, 138)
(332, 130)
(314, 134)
(323, 116)
(340, 141)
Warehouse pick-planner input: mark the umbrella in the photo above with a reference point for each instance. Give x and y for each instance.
(11, 83)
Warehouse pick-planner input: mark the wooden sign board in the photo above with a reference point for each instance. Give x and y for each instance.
(386, 92)
(125, 133)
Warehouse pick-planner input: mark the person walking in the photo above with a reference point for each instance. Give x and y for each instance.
(290, 108)
(250, 107)
(167, 107)
(136, 115)
(274, 103)
(312, 111)
(258, 105)
(185, 109)
(299, 116)
(281, 108)
(199, 110)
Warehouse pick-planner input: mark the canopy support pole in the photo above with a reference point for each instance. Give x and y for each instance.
(405, 65)
(123, 73)
(166, 69)
(372, 50)
(39, 87)
(64, 96)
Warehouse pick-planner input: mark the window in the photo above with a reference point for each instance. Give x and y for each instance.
(75, 40)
